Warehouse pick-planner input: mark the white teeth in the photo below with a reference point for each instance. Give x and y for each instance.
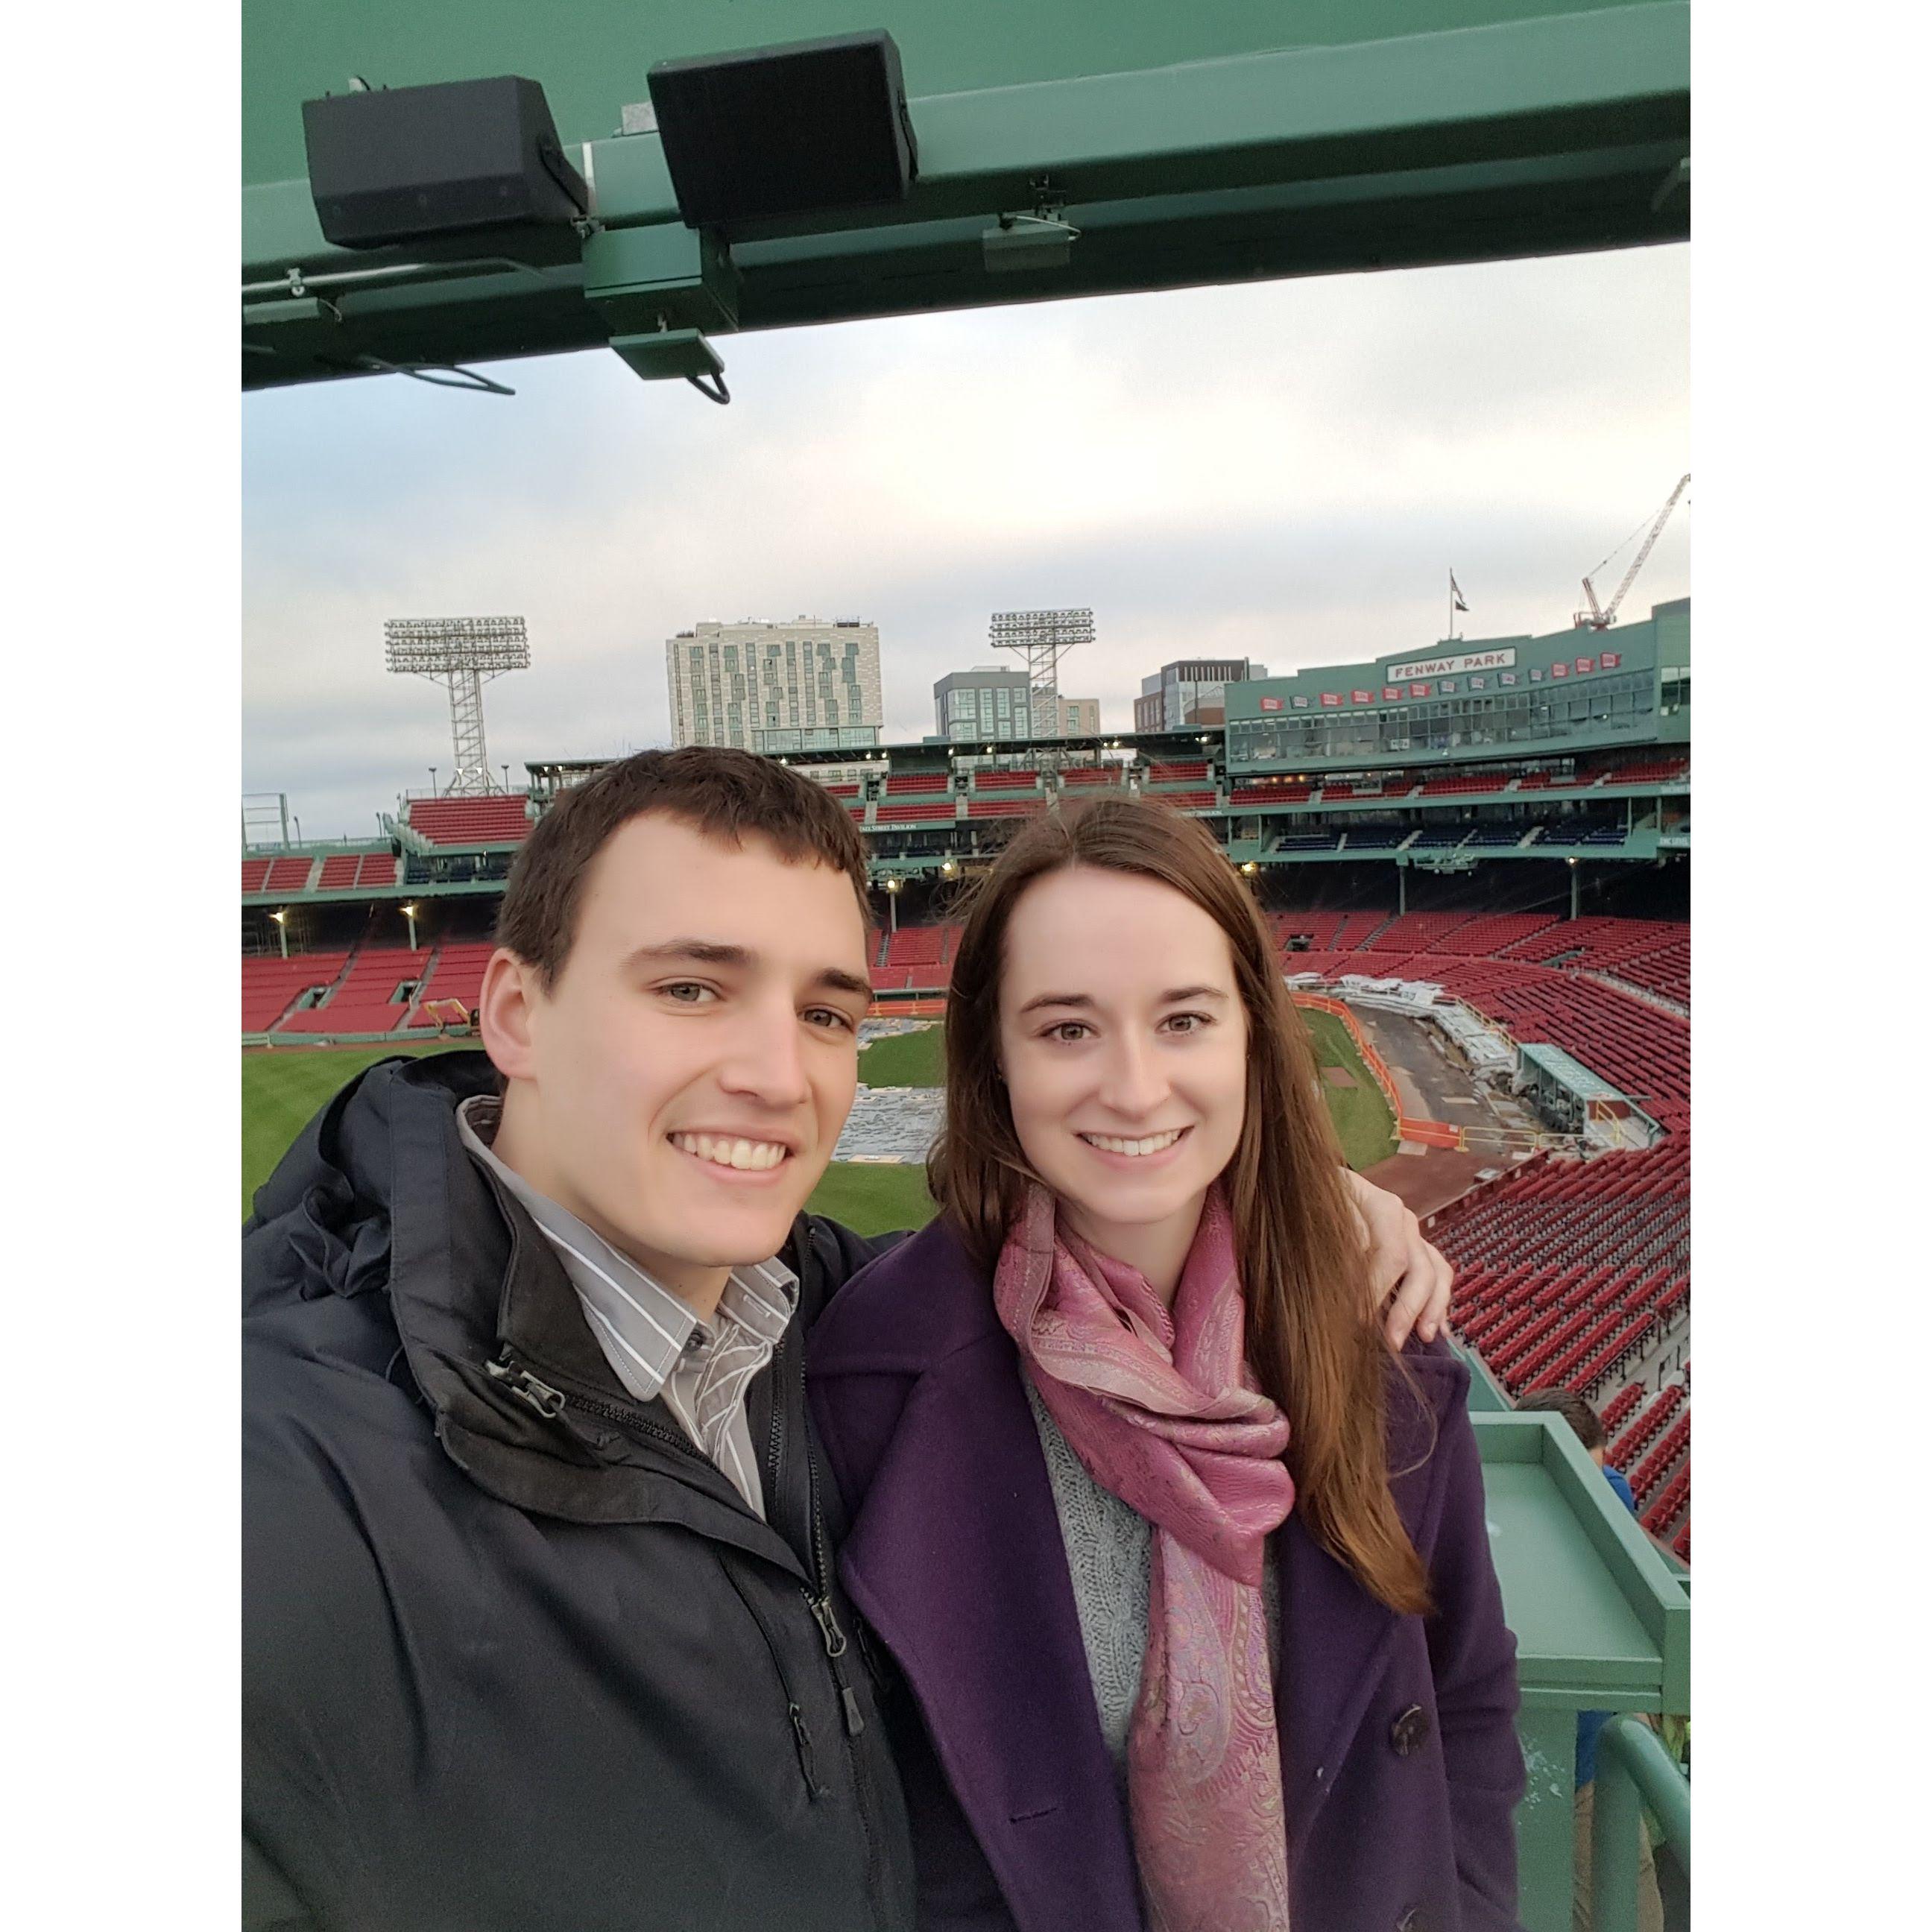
(750, 1157)
(1153, 1144)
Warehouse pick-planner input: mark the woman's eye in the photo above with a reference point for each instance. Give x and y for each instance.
(1186, 1022)
(1066, 1032)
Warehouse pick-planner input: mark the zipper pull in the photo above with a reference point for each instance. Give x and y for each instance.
(803, 1738)
(855, 1724)
(828, 1624)
(547, 1402)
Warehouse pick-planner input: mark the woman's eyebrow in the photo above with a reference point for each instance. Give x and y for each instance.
(1085, 1001)
(1057, 1000)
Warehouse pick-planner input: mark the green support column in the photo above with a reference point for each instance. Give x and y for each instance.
(1576, 887)
(1401, 889)
(1545, 1832)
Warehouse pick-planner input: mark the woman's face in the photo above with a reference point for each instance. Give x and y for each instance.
(1124, 1046)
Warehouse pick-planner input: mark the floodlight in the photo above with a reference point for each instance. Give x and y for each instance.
(282, 918)
(409, 164)
(461, 652)
(799, 129)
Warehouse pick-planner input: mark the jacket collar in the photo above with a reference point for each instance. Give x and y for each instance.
(1017, 1730)
(477, 1295)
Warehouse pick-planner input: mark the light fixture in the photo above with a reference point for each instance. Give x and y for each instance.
(282, 918)
(407, 911)
(1249, 866)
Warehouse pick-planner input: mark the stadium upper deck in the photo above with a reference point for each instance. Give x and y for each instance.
(1573, 748)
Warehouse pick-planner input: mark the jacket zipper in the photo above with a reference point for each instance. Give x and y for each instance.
(834, 1636)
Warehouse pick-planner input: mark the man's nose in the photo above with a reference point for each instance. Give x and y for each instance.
(766, 1061)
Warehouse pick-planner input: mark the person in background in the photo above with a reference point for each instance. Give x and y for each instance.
(1587, 1426)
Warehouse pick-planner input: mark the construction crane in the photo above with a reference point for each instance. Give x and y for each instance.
(1601, 617)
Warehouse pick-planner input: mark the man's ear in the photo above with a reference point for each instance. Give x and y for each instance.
(506, 1013)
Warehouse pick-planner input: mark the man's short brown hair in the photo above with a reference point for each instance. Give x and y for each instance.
(1582, 1419)
(724, 794)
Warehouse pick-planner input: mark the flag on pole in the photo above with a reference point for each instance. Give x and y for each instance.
(1456, 593)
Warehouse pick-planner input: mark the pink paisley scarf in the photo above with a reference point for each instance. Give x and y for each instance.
(1163, 1412)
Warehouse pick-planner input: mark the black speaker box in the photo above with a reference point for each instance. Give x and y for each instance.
(404, 164)
(772, 132)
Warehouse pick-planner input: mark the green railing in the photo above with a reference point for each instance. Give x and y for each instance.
(1634, 1772)
(1602, 1623)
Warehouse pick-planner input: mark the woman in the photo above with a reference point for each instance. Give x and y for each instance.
(1186, 1577)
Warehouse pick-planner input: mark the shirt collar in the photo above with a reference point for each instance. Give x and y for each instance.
(644, 1329)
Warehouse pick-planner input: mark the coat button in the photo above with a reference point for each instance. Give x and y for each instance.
(1410, 1731)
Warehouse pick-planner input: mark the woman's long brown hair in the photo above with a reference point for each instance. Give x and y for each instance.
(1311, 1337)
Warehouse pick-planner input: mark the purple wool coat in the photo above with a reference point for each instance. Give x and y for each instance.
(1399, 1760)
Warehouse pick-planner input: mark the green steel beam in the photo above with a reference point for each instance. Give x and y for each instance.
(1518, 137)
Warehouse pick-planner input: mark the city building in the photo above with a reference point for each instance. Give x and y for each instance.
(989, 702)
(806, 685)
(992, 701)
(1192, 691)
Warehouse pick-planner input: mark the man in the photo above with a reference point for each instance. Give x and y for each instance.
(1587, 1426)
(542, 1628)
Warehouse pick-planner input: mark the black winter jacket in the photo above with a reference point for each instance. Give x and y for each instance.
(516, 1655)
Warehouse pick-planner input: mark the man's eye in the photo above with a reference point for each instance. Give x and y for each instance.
(687, 992)
(830, 1016)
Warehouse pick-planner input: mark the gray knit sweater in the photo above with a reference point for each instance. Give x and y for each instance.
(1108, 1545)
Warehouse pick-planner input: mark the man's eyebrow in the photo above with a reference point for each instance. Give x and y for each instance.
(702, 952)
(717, 952)
(836, 979)
(1083, 1002)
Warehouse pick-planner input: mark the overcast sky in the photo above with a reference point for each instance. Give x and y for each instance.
(1285, 471)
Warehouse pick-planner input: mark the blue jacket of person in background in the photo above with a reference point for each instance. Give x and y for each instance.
(1590, 1722)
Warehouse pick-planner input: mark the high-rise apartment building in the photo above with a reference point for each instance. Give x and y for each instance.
(1184, 692)
(806, 685)
(988, 703)
(993, 701)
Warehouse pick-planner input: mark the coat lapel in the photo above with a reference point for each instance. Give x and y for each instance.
(956, 1546)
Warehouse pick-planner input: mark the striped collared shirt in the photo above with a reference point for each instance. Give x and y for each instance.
(654, 1342)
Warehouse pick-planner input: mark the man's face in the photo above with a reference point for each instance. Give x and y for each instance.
(682, 1085)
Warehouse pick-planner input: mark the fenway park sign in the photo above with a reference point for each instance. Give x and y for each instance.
(1452, 667)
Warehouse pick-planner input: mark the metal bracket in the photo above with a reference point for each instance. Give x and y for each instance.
(1030, 239)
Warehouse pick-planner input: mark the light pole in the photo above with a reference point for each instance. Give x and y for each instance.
(892, 902)
(281, 919)
(409, 913)
(432, 781)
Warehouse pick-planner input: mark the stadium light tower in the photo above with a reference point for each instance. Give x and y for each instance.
(461, 652)
(1040, 638)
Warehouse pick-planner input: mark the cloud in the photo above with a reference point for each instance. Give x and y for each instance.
(1287, 470)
